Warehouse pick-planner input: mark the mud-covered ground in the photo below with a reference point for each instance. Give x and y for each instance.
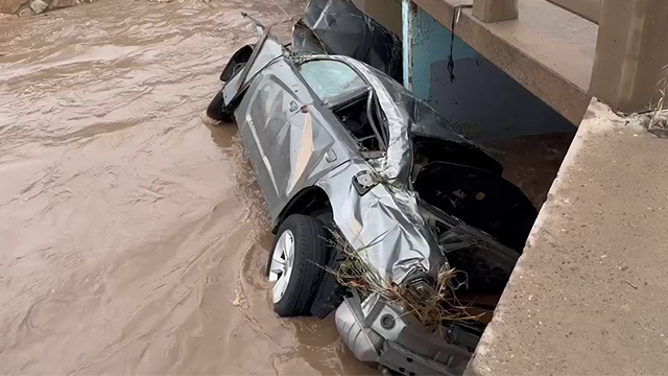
(132, 233)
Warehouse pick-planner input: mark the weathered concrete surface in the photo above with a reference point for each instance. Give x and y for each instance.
(495, 10)
(590, 294)
(589, 9)
(548, 50)
(631, 51)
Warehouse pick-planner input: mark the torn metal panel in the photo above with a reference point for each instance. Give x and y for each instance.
(342, 29)
(406, 116)
(305, 41)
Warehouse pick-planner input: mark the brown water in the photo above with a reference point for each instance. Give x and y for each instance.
(532, 162)
(132, 234)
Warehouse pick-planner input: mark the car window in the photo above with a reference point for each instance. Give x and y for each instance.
(330, 79)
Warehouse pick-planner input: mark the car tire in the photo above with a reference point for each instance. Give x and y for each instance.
(296, 264)
(216, 110)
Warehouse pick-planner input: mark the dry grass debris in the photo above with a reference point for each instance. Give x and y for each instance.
(658, 124)
(433, 308)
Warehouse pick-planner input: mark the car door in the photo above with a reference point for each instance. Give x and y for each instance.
(295, 131)
(288, 137)
(275, 123)
(312, 142)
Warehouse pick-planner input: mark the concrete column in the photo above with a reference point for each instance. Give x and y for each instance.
(408, 10)
(631, 51)
(495, 10)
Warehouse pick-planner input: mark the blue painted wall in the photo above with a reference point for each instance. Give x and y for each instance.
(431, 43)
(483, 102)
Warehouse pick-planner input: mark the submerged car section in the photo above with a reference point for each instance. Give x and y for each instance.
(334, 139)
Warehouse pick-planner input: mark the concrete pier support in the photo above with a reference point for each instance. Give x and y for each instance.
(495, 10)
(631, 51)
(589, 295)
(408, 10)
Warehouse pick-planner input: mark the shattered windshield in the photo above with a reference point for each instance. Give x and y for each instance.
(330, 79)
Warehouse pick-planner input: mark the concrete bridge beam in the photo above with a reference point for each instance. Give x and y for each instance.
(631, 51)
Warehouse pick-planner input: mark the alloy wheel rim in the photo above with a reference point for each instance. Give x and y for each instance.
(282, 261)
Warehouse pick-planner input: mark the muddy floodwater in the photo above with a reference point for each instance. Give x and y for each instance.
(132, 233)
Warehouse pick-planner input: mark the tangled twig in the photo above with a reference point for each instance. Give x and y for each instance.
(433, 309)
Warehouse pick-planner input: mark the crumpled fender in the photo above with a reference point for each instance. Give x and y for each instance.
(384, 223)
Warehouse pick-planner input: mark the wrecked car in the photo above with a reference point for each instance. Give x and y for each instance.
(351, 164)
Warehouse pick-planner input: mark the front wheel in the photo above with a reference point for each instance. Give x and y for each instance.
(296, 264)
(216, 110)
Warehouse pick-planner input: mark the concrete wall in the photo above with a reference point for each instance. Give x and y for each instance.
(589, 9)
(631, 52)
(485, 103)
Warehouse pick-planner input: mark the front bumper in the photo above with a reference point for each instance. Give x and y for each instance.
(381, 334)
